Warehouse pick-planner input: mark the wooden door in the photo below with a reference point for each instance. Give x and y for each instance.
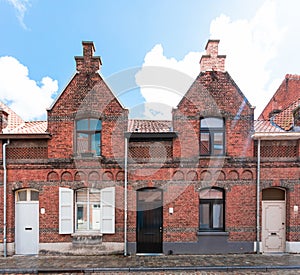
(273, 226)
(149, 221)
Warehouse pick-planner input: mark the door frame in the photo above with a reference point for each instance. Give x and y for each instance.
(157, 224)
(265, 204)
(35, 220)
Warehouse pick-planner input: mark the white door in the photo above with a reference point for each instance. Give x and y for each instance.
(27, 227)
(273, 226)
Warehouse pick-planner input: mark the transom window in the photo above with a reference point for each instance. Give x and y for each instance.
(88, 209)
(27, 195)
(212, 136)
(88, 136)
(211, 209)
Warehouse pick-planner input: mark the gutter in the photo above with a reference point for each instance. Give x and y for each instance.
(125, 195)
(258, 199)
(278, 136)
(4, 197)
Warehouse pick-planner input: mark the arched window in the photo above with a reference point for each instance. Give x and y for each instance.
(212, 136)
(88, 136)
(211, 209)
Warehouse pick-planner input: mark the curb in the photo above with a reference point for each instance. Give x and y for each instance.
(145, 269)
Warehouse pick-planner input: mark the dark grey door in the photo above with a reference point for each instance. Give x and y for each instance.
(149, 220)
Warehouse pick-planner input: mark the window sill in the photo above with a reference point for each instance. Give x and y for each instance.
(213, 157)
(212, 233)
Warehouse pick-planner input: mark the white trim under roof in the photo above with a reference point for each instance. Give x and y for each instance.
(278, 135)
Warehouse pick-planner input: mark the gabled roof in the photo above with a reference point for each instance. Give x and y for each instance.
(149, 126)
(16, 125)
(285, 119)
(30, 127)
(265, 126)
(13, 120)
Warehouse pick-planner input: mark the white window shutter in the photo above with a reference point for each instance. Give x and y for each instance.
(65, 211)
(108, 210)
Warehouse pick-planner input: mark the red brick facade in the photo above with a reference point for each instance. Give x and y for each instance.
(164, 169)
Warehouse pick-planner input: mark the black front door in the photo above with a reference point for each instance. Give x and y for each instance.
(149, 220)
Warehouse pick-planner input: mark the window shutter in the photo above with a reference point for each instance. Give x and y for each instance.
(65, 211)
(108, 210)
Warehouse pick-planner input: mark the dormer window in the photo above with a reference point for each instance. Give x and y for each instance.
(296, 114)
(88, 137)
(212, 136)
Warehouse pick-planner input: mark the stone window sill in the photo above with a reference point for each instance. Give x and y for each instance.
(212, 233)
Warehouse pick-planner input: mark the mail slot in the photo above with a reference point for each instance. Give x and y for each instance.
(28, 228)
(273, 234)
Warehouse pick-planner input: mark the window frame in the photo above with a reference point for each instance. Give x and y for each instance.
(90, 133)
(68, 204)
(212, 132)
(211, 202)
(87, 203)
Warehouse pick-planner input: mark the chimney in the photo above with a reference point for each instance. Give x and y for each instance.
(3, 119)
(88, 62)
(212, 61)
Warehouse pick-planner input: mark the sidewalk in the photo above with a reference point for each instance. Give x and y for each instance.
(119, 263)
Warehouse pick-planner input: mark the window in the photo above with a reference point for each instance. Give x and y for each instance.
(87, 209)
(211, 210)
(212, 136)
(27, 195)
(94, 210)
(88, 136)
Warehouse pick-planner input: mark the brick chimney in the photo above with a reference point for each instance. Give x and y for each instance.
(88, 62)
(212, 61)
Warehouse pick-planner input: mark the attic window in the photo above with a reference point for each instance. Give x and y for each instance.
(212, 136)
(88, 136)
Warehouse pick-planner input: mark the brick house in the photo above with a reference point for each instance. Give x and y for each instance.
(89, 180)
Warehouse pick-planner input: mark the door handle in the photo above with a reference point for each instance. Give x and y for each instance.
(273, 234)
(160, 229)
(28, 228)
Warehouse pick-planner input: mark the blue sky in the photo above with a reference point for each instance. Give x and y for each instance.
(39, 39)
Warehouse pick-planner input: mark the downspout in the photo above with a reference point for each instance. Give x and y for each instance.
(4, 197)
(258, 198)
(125, 196)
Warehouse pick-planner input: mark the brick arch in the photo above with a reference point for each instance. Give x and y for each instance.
(120, 176)
(107, 176)
(205, 175)
(220, 175)
(192, 176)
(52, 176)
(233, 175)
(80, 176)
(247, 175)
(94, 176)
(178, 175)
(28, 185)
(66, 176)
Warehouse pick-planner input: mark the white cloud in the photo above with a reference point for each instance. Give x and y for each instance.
(164, 81)
(21, 7)
(250, 46)
(25, 96)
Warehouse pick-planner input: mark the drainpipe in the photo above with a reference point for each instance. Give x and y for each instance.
(4, 197)
(258, 198)
(125, 196)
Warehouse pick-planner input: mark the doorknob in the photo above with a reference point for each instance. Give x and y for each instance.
(160, 229)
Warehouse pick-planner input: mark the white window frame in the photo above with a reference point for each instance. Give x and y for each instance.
(67, 206)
